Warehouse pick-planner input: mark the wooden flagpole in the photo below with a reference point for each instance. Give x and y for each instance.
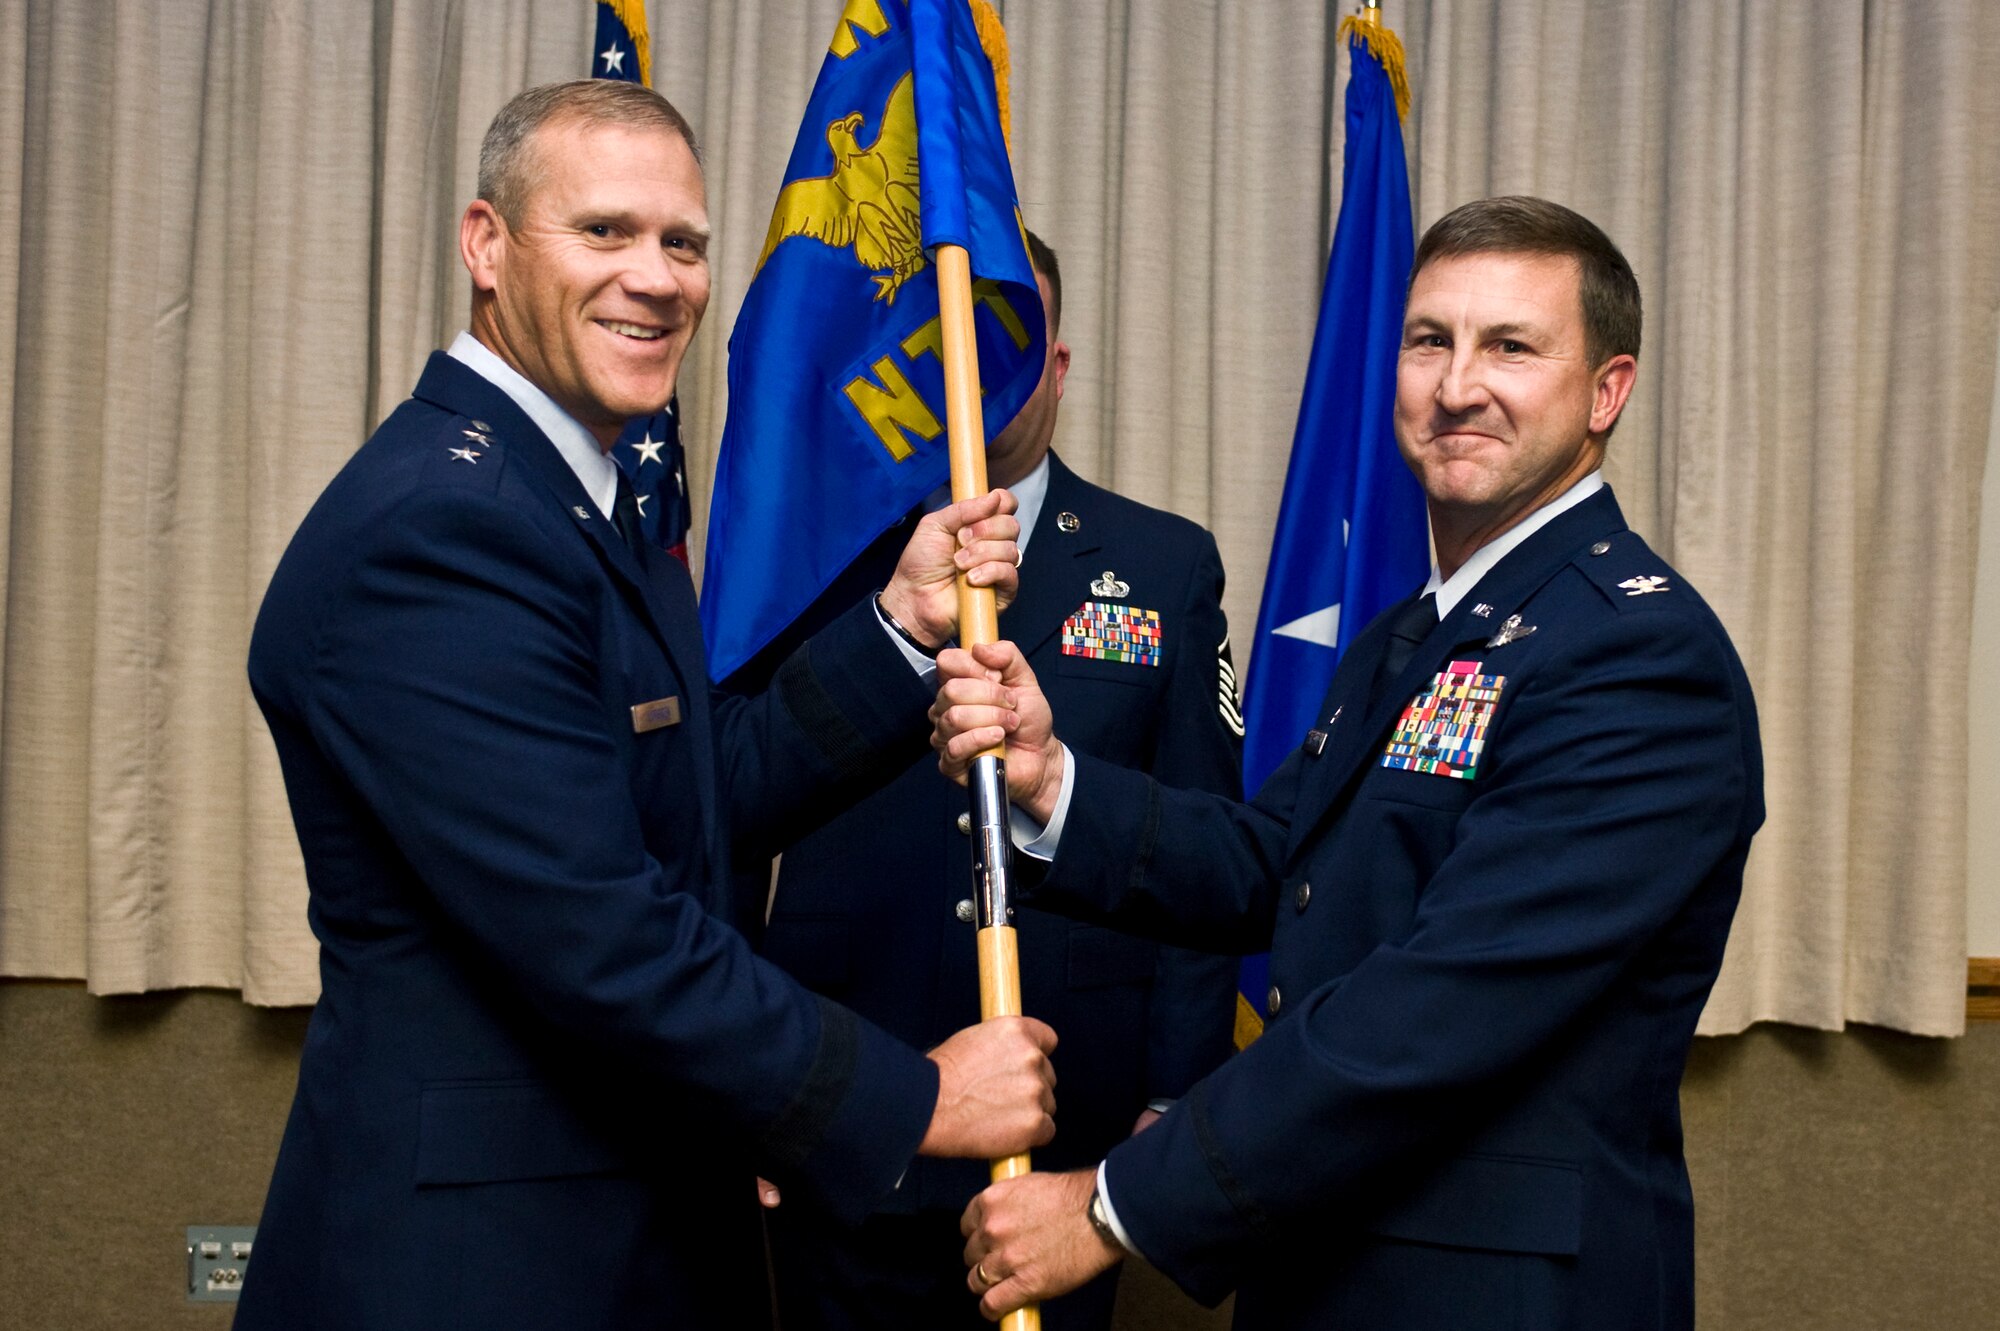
(979, 622)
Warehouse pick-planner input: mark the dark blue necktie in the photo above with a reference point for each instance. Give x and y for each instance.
(1412, 624)
(625, 517)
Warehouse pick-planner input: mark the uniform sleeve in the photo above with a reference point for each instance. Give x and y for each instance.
(1622, 787)
(1192, 1019)
(843, 715)
(481, 744)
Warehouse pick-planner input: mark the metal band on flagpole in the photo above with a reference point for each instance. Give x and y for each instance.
(979, 623)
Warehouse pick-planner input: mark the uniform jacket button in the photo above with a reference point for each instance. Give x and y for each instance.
(964, 824)
(1302, 896)
(964, 911)
(1273, 1001)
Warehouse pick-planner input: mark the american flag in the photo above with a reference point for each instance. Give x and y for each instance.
(649, 451)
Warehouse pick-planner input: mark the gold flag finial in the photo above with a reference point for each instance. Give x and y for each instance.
(1368, 28)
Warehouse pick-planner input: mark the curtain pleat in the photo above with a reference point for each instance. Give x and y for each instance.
(228, 239)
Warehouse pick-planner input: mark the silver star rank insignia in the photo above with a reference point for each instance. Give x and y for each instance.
(466, 455)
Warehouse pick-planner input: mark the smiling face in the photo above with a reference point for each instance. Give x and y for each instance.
(596, 294)
(1498, 409)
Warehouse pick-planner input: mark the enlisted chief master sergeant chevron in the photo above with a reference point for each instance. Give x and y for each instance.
(872, 909)
(1496, 879)
(544, 1068)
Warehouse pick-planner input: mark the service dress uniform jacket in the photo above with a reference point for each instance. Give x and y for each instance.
(874, 908)
(544, 1066)
(1496, 887)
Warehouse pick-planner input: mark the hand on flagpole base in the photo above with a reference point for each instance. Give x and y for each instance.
(1029, 1239)
(996, 1090)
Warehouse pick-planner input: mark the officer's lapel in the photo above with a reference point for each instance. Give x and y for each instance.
(1056, 570)
(662, 596)
(458, 388)
(1351, 749)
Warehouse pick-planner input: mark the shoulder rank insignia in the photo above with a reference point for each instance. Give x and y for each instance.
(1229, 700)
(1105, 632)
(1443, 730)
(1639, 586)
(1108, 585)
(471, 455)
(1511, 630)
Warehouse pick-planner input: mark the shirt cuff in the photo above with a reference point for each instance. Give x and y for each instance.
(1030, 837)
(925, 667)
(1111, 1212)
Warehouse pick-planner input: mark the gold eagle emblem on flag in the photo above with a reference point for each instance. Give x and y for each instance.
(868, 202)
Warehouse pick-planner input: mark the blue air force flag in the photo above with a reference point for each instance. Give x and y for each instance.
(1352, 537)
(836, 421)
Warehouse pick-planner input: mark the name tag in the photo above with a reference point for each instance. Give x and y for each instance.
(655, 715)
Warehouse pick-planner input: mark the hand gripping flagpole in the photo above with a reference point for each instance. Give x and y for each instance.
(979, 623)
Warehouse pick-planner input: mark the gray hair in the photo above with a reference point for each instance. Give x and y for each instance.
(509, 171)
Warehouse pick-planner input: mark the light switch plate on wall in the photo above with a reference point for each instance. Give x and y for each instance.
(218, 1258)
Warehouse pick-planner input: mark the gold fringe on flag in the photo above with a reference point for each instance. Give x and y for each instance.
(993, 41)
(1248, 1024)
(632, 13)
(1386, 47)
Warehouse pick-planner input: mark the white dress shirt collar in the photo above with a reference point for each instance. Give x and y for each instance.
(1450, 591)
(1031, 490)
(592, 465)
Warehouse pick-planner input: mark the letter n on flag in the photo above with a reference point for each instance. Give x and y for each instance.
(836, 378)
(1352, 538)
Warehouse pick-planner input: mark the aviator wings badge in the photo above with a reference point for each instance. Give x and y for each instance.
(1512, 630)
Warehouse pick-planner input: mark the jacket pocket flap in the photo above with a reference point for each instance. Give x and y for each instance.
(1507, 1204)
(501, 1131)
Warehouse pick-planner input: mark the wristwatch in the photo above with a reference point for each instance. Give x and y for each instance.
(1100, 1220)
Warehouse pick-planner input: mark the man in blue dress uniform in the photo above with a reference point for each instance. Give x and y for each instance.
(1496, 877)
(1121, 611)
(545, 1068)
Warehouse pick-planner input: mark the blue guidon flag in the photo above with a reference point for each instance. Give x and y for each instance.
(836, 421)
(649, 450)
(1352, 537)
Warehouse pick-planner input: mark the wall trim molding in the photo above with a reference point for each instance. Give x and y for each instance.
(1982, 989)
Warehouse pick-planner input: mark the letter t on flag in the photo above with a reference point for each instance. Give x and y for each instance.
(1352, 536)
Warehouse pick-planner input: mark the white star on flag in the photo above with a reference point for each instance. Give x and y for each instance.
(649, 449)
(1321, 626)
(613, 58)
(641, 501)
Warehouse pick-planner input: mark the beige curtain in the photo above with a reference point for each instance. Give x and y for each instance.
(226, 229)
(229, 239)
(1809, 196)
